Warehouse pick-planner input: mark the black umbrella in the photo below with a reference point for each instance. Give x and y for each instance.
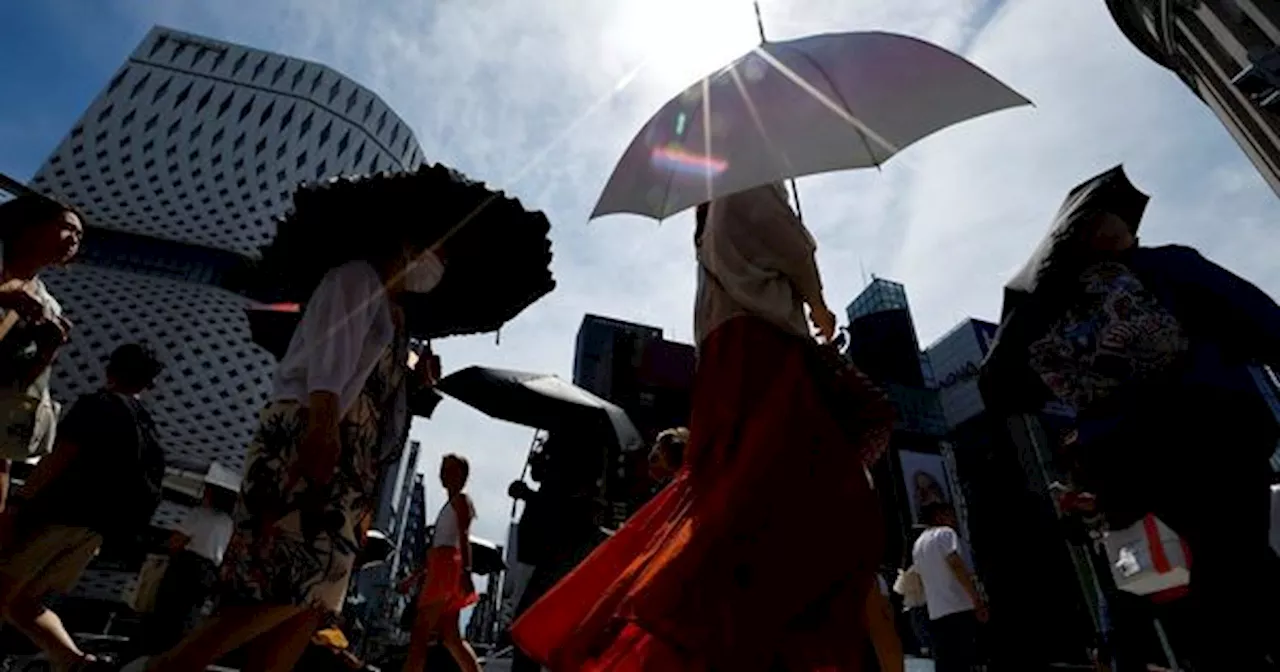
(1108, 192)
(497, 252)
(1030, 301)
(541, 401)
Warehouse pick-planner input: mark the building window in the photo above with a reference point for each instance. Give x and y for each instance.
(204, 100)
(161, 91)
(225, 104)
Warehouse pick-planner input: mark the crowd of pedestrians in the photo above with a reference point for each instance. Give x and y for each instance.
(1156, 350)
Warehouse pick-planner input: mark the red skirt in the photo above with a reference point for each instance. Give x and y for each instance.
(444, 581)
(760, 553)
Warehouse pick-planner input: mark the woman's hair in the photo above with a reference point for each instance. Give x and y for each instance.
(464, 467)
(29, 211)
(672, 443)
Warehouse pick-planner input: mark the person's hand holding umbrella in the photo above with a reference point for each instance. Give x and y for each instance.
(824, 321)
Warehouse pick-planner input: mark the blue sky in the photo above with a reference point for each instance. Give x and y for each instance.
(540, 98)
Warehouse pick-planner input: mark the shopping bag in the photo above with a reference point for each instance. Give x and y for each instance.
(1148, 558)
(143, 599)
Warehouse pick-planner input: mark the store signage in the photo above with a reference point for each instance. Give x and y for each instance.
(966, 373)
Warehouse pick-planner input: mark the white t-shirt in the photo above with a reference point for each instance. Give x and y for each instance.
(447, 532)
(210, 532)
(942, 591)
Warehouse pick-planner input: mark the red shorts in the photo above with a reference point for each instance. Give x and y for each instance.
(443, 583)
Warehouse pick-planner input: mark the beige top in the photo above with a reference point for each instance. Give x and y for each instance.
(755, 258)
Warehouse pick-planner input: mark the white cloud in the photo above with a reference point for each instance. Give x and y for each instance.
(490, 85)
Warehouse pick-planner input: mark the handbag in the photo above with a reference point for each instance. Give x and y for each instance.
(910, 586)
(28, 414)
(143, 598)
(28, 421)
(1148, 558)
(862, 408)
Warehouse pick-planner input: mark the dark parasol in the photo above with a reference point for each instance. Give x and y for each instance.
(541, 401)
(497, 253)
(1108, 192)
(1031, 298)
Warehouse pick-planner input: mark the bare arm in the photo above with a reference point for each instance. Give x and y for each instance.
(463, 510)
(961, 571)
(49, 468)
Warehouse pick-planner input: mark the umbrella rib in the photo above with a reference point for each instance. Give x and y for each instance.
(755, 117)
(826, 101)
(847, 107)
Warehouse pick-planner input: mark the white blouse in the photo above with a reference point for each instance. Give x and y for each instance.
(447, 532)
(345, 328)
(756, 258)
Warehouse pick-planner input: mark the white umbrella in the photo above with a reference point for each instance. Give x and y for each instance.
(800, 107)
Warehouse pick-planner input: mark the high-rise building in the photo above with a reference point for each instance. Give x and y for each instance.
(650, 378)
(1228, 53)
(883, 344)
(633, 366)
(181, 165)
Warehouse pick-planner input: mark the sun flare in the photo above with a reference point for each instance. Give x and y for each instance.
(682, 40)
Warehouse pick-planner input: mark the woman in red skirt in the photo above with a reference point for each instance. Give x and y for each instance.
(447, 588)
(761, 552)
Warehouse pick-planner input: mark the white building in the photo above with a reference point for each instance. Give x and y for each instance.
(181, 165)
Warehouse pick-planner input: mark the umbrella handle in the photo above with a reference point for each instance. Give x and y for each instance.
(523, 472)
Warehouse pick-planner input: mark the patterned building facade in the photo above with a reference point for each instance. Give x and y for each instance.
(1228, 53)
(182, 165)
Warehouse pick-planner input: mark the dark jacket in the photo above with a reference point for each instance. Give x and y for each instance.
(1232, 325)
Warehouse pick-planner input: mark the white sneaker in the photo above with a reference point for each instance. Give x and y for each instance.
(138, 665)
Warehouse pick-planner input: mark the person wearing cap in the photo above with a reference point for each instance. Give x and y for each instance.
(196, 550)
(101, 482)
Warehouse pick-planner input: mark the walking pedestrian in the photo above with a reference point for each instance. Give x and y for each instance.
(448, 587)
(101, 482)
(1153, 347)
(956, 608)
(191, 578)
(311, 479)
(708, 574)
(36, 234)
(667, 455)
(558, 528)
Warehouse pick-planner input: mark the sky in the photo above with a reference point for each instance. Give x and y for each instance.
(541, 98)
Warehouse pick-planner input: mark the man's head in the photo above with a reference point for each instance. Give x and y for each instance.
(132, 369)
(938, 514)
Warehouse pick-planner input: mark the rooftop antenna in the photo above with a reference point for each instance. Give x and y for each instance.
(866, 282)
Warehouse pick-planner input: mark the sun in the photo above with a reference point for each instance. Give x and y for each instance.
(682, 40)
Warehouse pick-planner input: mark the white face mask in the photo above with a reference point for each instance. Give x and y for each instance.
(423, 274)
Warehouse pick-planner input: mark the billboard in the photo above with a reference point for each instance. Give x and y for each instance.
(925, 477)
